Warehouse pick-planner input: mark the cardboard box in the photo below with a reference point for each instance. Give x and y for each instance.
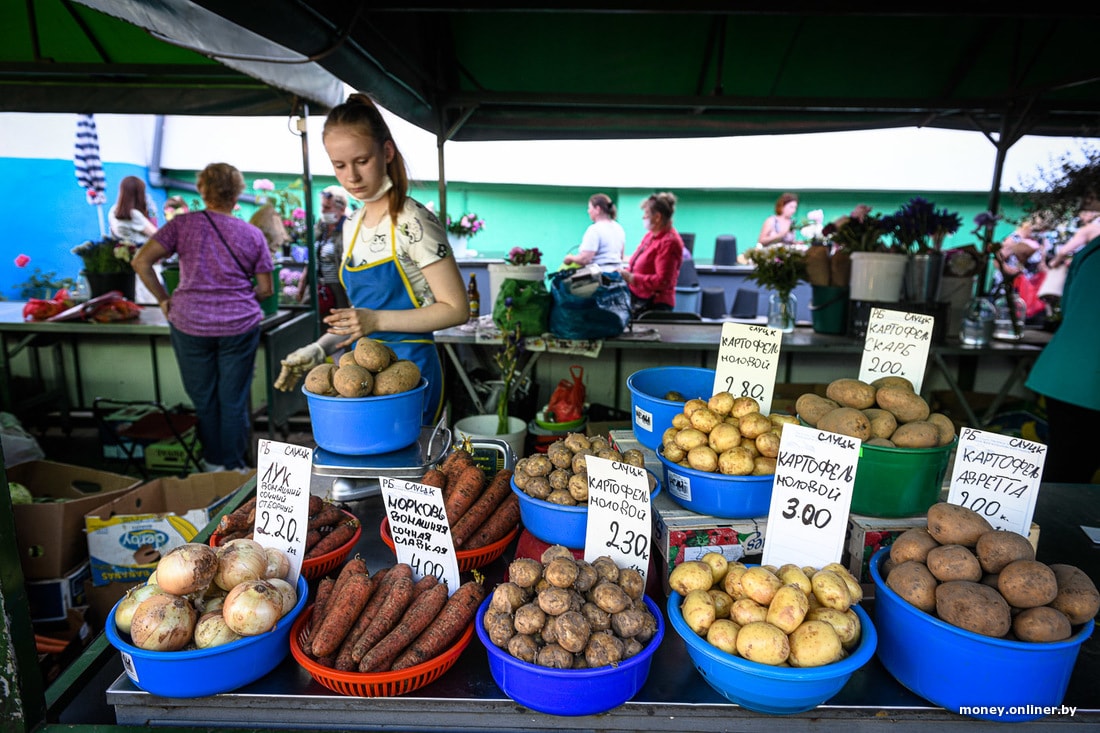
(170, 456)
(127, 536)
(50, 534)
(624, 440)
(682, 535)
(50, 600)
(866, 535)
(113, 445)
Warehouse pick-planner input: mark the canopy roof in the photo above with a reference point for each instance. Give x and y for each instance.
(60, 56)
(496, 71)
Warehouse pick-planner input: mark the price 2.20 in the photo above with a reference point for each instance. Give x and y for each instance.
(278, 525)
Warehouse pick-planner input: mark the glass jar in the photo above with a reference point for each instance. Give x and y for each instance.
(782, 308)
(1005, 326)
(977, 322)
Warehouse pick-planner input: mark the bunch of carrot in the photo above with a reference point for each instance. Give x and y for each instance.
(329, 526)
(479, 510)
(386, 621)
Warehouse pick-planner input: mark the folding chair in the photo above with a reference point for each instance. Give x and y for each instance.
(153, 423)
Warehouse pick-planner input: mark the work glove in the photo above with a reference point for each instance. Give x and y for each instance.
(296, 364)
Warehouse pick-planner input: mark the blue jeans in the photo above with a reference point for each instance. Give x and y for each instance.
(217, 375)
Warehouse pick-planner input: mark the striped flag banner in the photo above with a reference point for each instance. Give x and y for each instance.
(89, 168)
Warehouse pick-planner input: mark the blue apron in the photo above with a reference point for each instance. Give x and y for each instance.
(383, 285)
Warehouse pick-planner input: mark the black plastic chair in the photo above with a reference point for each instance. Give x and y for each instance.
(153, 423)
(725, 250)
(745, 303)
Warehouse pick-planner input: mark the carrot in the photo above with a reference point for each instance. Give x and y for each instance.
(230, 536)
(434, 477)
(467, 487)
(451, 467)
(458, 456)
(342, 533)
(499, 489)
(324, 592)
(391, 574)
(424, 584)
(240, 519)
(316, 504)
(419, 614)
(445, 628)
(355, 566)
(343, 659)
(313, 536)
(340, 614)
(328, 515)
(499, 523)
(389, 613)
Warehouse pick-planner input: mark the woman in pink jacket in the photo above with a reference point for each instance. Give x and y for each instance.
(655, 265)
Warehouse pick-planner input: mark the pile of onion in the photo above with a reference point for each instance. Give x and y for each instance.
(205, 598)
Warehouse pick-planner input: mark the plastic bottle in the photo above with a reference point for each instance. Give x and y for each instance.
(474, 298)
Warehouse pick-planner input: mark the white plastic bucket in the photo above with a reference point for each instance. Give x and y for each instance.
(480, 427)
(877, 276)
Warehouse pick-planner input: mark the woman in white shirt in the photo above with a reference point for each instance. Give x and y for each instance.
(129, 217)
(605, 240)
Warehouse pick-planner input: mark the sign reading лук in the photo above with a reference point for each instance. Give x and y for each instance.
(283, 475)
(748, 359)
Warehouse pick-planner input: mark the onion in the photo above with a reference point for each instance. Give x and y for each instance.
(211, 630)
(124, 614)
(290, 596)
(278, 565)
(187, 569)
(238, 561)
(253, 607)
(163, 623)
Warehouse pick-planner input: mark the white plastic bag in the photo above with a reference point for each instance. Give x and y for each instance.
(1054, 282)
(19, 446)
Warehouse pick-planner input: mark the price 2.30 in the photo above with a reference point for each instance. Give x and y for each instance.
(628, 542)
(748, 389)
(278, 525)
(809, 515)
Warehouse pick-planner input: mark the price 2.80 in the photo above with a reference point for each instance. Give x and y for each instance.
(278, 525)
(748, 389)
(809, 514)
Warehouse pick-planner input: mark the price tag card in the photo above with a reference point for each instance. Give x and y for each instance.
(998, 477)
(283, 475)
(811, 499)
(896, 345)
(620, 518)
(748, 360)
(421, 533)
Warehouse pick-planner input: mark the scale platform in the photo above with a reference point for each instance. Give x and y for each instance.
(356, 477)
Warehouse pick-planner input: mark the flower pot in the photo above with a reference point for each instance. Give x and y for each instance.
(101, 283)
(479, 427)
(877, 276)
(829, 309)
(502, 272)
(923, 275)
(458, 244)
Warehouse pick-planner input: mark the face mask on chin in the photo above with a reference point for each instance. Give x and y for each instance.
(387, 184)
(329, 217)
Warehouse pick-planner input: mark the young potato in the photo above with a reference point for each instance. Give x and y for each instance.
(689, 438)
(722, 635)
(703, 458)
(791, 574)
(743, 406)
(691, 575)
(722, 602)
(763, 466)
(749, 444)
(718, 566)
(681, 421)
(855, 590)
(754, 424)
(723, 437)
(845, 623)
(814, 644)
(736, 462)
(747, 611)
(830, 590)
(760, 584)
(721, 403)
(768, 444)
(763, 643)
(704, 419)
(788, 608)
(674, 453)
(698, 611)
(694, 404)
(731, 583)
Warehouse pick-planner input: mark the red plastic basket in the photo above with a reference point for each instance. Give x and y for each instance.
(317, 567)
(467, 559)
(374, 684)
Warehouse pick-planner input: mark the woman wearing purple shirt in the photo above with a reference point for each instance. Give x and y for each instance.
(214, 314)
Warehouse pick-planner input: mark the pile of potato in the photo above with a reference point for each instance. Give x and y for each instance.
(886, 412)
(790, 616)
(961, 570)
(561, 475)
(566, 613)
(371, 369)
(725, 434)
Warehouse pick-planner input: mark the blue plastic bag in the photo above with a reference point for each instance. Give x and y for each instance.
(603, 314)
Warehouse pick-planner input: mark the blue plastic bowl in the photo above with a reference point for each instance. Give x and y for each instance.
(559, 524)
(953, 667)
(207, 671)
(762, 687)
(570, 691)
(364, 426)
(652, 412)
(717, 494)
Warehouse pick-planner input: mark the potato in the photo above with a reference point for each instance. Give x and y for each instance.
(788, 608)
(1027, 584)
(754, 424)
(400, 376)
(845, 623)
(1077, 595)
(915, 583)
(723, 437)
(763, 466)
(746, 611)
(319, 380)
(892, 382)
(573, 631)
(974, 607)
(523, 646)
(916, 434)
(696, 403)
(691, 575)
(814, 644)
(904, 404)
(851, 393)
(689, 438)
(556, 601)
(606, 569)
(811, 407)
(736, 462)
(951, 524)
(722, 602)
(768, 444)
(561, 572)
(1042, 624)
(529, 618)
(348, 357)
(681, 421)
(999, 547)
(855, 590)
(731, 583)
(603, 650)
(673, 452)
(718, 566)
(721, 403)
(702, 458)
(791, 574)
(883, 422)
(945, 427)
(525, 572)
(554, 657)
(763, 643)
(953, 562)
(632, 583)
(722, 635)
(353, 381)
(499, 627)
(830, 590)
(846, 421)
(508, 597)
(912, 544)
(698, 611)
(881, 442)
(372, 354)
(749, 444)
(704, 419)
(760, 584)
(743, 406)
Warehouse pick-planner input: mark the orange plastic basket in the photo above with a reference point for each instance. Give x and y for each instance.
(316, 567)
(467, 559)
(374, 684)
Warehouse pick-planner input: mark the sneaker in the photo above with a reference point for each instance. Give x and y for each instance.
(211, 467)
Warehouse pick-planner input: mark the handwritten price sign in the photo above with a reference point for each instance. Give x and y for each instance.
(998, 477)
(748, 359)
(619, 514)
(421, 533)
(282, 500)
(896, 345)
(812, 497)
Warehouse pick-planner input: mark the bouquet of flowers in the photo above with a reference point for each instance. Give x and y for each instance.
(919, 227)
(524, 256)
(779, 267)
(108, 255)
(287, 204)
(860, 231)
(467, 226)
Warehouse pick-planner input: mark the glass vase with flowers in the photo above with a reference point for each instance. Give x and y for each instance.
(779, 268)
